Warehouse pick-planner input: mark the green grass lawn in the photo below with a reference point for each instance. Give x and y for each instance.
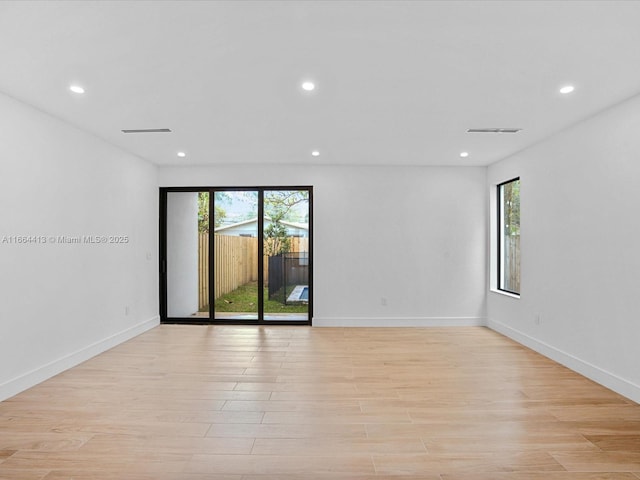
(245, 299)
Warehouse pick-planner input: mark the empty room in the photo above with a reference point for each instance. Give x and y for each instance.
(259, 240)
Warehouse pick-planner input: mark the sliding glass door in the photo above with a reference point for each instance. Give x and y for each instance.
(286, 254)
(185, 267)
(236, 255)
(235, 260)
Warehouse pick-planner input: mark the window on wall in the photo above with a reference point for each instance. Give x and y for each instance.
(509, 236)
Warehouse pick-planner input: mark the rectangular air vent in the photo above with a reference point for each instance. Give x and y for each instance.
(148, 130)
(494, 130)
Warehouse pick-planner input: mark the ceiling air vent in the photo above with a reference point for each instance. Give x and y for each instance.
(148, 130)
(494, 130)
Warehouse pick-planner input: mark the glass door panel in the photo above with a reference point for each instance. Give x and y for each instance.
(187, 257)
(235, 256)
(286, 255)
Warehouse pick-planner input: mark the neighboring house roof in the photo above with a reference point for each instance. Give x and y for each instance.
(301, 226)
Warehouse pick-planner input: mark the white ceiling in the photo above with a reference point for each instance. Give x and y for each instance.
(397, 82)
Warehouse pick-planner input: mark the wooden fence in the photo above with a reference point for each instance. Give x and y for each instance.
(512, 263)
(236, 263)
(203, 270)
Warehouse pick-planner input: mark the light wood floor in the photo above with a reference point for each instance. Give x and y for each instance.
(267, 403)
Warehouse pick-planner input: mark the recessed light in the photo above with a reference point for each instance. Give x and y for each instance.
(464, 154)
(315, 153)
(567, 89)
(76, 89)
(308, 86)
(182, 154)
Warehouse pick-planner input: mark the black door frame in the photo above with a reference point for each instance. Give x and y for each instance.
(211, 320)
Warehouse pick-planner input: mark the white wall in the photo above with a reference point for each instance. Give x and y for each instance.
(580, 221)
(415, 236)
(182, 254)
(63, 303)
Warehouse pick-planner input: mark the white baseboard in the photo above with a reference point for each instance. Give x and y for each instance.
(399, 322)
(592, 372)
(40, 374)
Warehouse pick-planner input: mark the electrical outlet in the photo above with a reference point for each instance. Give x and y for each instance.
(126, 310)
(383, 301)
(537, 320)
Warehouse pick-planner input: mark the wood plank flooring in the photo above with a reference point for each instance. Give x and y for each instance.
(267, 403)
